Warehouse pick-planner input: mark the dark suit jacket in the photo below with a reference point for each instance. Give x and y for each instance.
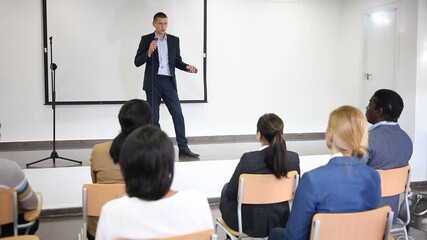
(389, 147)
(260, 219)
(175, 60)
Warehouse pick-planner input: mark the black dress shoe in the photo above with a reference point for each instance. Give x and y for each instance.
(188, 153)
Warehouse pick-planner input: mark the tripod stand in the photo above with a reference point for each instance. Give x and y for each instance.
(53, 155)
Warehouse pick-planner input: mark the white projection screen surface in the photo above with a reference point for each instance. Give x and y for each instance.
(94, 43)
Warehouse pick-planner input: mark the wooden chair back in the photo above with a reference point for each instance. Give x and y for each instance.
(394, 181)
(9, 210)
(95, 196)
(373, 224)
(7, 206)
(266, 188)
(259, 189)
(99, 194)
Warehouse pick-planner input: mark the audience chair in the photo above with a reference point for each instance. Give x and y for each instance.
(259, 189)
(374, 224)
(95, 196)
(207, 234)
(395, 182)
(22, 237)
(9, 210)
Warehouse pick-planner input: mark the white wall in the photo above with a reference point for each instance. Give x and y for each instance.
(242, 82)
(420, 151)
(317, 50)
(407, 82)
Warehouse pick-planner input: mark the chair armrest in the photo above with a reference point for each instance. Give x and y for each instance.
(34, 214)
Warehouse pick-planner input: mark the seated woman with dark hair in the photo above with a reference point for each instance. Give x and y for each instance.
(151, 209)
(104, 159)
(274, 158)
(346, 184)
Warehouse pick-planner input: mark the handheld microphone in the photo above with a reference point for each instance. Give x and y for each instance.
(156, 38)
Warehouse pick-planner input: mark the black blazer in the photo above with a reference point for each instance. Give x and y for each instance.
(258, 220)
(175, 60)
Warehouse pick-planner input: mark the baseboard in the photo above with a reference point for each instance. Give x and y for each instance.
(418, 184)
(61, 212)
(83, 144)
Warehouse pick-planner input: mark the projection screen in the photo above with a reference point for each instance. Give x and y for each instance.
(94, 43)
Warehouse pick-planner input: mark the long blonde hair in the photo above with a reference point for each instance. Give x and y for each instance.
(349, 128)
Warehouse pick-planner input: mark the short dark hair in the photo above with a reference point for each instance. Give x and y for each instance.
(159, 15)
(271, 127)
(390, 102)
(134, 113)
(147, 163)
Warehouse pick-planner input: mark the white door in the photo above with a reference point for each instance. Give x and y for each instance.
(380, 50)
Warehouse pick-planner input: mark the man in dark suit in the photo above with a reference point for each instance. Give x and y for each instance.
(389, 145)
(161, 53)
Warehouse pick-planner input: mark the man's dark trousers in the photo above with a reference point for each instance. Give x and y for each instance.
(164, 88)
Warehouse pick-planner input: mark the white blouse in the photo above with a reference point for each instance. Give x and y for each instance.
(133, 218)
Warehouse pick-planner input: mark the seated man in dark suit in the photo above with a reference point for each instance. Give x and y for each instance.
(389, 146)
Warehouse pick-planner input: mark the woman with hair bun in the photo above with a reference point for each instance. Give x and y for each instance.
(272, 158)
(104, 160)
(151, 209)
(346, 184)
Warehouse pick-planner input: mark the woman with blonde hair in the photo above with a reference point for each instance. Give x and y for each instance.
(345, 184)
